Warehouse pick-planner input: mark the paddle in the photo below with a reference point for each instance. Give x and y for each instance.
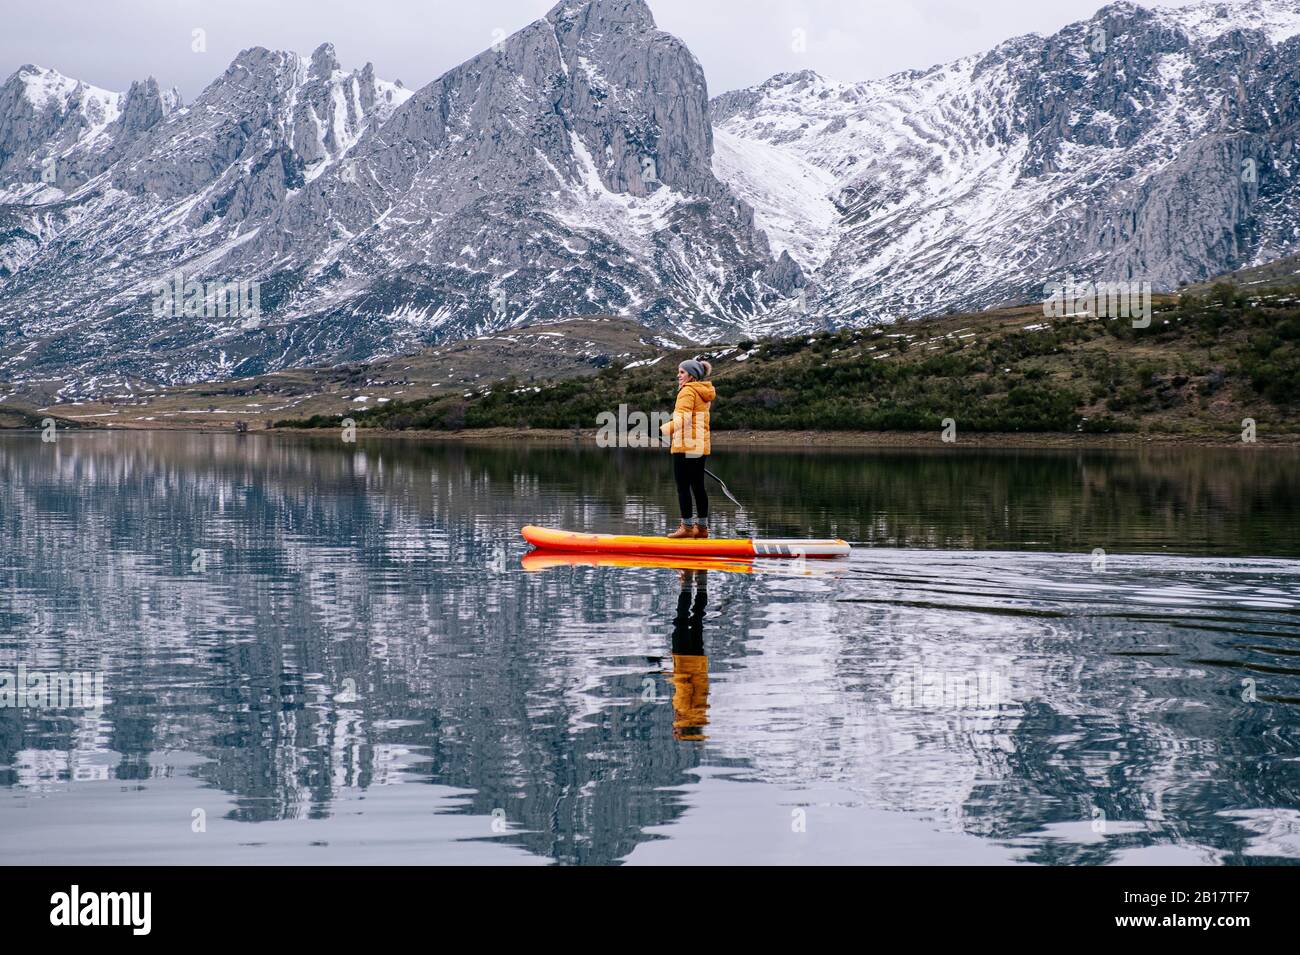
(741, 514)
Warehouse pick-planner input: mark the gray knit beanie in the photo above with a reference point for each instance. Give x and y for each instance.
(693, 368)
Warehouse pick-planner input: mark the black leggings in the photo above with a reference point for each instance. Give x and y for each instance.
(689, 473)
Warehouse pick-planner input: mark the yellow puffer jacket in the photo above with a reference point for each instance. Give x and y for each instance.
(690, 424)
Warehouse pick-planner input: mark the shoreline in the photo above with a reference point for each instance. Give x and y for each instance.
(821, 440)
(739, 440)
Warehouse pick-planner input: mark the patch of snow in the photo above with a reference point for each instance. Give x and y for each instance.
(791, 197)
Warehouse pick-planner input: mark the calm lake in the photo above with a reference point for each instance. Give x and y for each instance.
(315, 652)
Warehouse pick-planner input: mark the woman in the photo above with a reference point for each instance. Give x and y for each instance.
(689, 429)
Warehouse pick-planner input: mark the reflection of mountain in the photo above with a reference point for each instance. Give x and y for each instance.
(327, 563)
(395, 566)
(1104, 702)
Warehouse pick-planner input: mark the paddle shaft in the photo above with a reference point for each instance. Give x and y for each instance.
(725, 491)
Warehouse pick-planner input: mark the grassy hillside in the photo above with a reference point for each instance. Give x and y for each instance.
(13, 417)
(1205, 363)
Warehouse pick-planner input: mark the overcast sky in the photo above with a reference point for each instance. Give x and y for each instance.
(739, 42)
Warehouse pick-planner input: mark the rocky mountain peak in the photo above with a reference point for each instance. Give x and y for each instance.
(145, 105)
(324, 61)
(636, 97)
(257, 65)
(41, 87)
(496, 192)
(49, 123)
(596, 18)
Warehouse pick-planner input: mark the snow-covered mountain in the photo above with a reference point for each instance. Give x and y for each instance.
(113, 201)
(66, 132)
(565, 171)
(1146, 145)
(578, 167)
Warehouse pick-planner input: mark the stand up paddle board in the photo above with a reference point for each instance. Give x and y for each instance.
(544, 538)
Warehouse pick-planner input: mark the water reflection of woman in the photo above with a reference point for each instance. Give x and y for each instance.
(690, 674)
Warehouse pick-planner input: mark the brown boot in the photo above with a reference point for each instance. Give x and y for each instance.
(701, 532)
(682, 532)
